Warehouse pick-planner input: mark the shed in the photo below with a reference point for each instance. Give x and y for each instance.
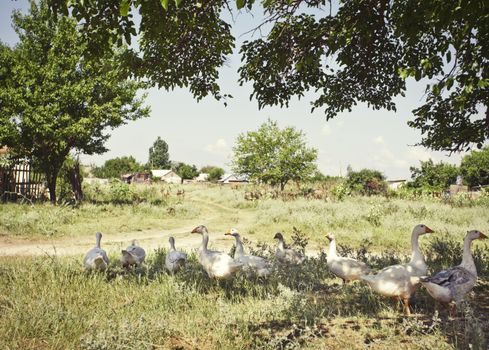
(166, 175)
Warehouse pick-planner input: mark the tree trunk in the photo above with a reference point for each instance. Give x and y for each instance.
(75, 180)
(51, 180)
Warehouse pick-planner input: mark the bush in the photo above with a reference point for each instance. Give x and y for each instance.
(366, 182)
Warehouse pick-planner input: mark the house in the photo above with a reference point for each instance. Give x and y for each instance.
(202, 177)
(167, 175)
(136, 178)
(233, 179)
(395, 184)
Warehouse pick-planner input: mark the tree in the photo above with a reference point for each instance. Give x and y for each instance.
(215, 173)
(54, 100)
(158, 155)
(114, 168)
(366, 181)
(274, 156)
(475, 168)
(185, 171)
(349, 52)
(433, 177)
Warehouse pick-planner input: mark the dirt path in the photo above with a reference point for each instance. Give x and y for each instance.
(149, 239)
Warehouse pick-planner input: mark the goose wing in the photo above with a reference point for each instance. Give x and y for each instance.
(450, 277)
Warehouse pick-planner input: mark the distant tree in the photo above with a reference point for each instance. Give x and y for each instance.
(274, 156)
(366, 181)
(185, 171)
(53, 99)
(158, 155)
(475, 168)
(114, 168)
(434, 177)
(215, 173)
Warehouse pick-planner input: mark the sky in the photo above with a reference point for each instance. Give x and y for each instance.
(203, 133)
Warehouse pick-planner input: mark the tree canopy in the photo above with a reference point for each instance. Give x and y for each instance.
(114, 168)
(53, 99)
(366, 181)
(348, 52)
(159, 158)
(433, 177)
(475, 168)
(274, 156)
(185, 171)
(215, 172)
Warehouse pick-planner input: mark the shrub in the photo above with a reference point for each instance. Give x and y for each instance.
(366, 181)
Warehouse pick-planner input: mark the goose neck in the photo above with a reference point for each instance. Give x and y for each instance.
(239, 248)
(332, 249)
(172, 245)
(467, 259)
(99, 238)
(205, 241)
(281, 244)
(416, 256)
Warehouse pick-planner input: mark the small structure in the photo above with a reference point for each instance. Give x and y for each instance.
(233, 179)
(167, 175)
(18, 179)
(136, 178)
(203, 177)
(395, 184)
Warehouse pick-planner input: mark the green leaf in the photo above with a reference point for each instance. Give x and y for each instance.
(164, 4)
(240, 4)
(449, 83)
(124, 7)
(177, 3)
(449, 56)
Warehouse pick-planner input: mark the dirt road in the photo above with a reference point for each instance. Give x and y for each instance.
(149, 239)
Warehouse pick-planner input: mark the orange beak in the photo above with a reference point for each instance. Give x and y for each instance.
(428, 230)
(483, 235)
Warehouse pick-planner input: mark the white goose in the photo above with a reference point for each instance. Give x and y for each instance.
(96, 258)
(400, 281)
(453, 284)
(348, 269)
(251, 263)
(287, 255)
(133, 255)
(174, 260)
(217, 264)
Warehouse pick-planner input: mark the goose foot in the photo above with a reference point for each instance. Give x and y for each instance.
(407, 310)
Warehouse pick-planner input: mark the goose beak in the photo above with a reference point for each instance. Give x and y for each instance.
(428, 230)
(482, 236)
(196, 230)
(227, 233)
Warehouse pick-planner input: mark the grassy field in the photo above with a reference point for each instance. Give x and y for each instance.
(48, 302)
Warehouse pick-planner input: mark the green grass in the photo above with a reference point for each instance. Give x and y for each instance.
(48, 302)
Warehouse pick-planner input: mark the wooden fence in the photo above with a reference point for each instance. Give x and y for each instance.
(20, 182)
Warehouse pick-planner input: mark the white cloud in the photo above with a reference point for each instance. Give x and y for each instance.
(379, 140)
(385, 158)
(218, 147)
(326, 130)
(419, 153)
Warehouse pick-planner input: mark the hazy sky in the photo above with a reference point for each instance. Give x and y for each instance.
(204, 132)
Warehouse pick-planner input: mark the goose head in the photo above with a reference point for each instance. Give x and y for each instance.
(278, 236)
(200, 229)
(421, 229)
(172, 241)
(330, 237)
(475, 234)
(232, 232)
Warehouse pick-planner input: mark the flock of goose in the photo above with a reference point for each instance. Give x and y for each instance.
(396, 281)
